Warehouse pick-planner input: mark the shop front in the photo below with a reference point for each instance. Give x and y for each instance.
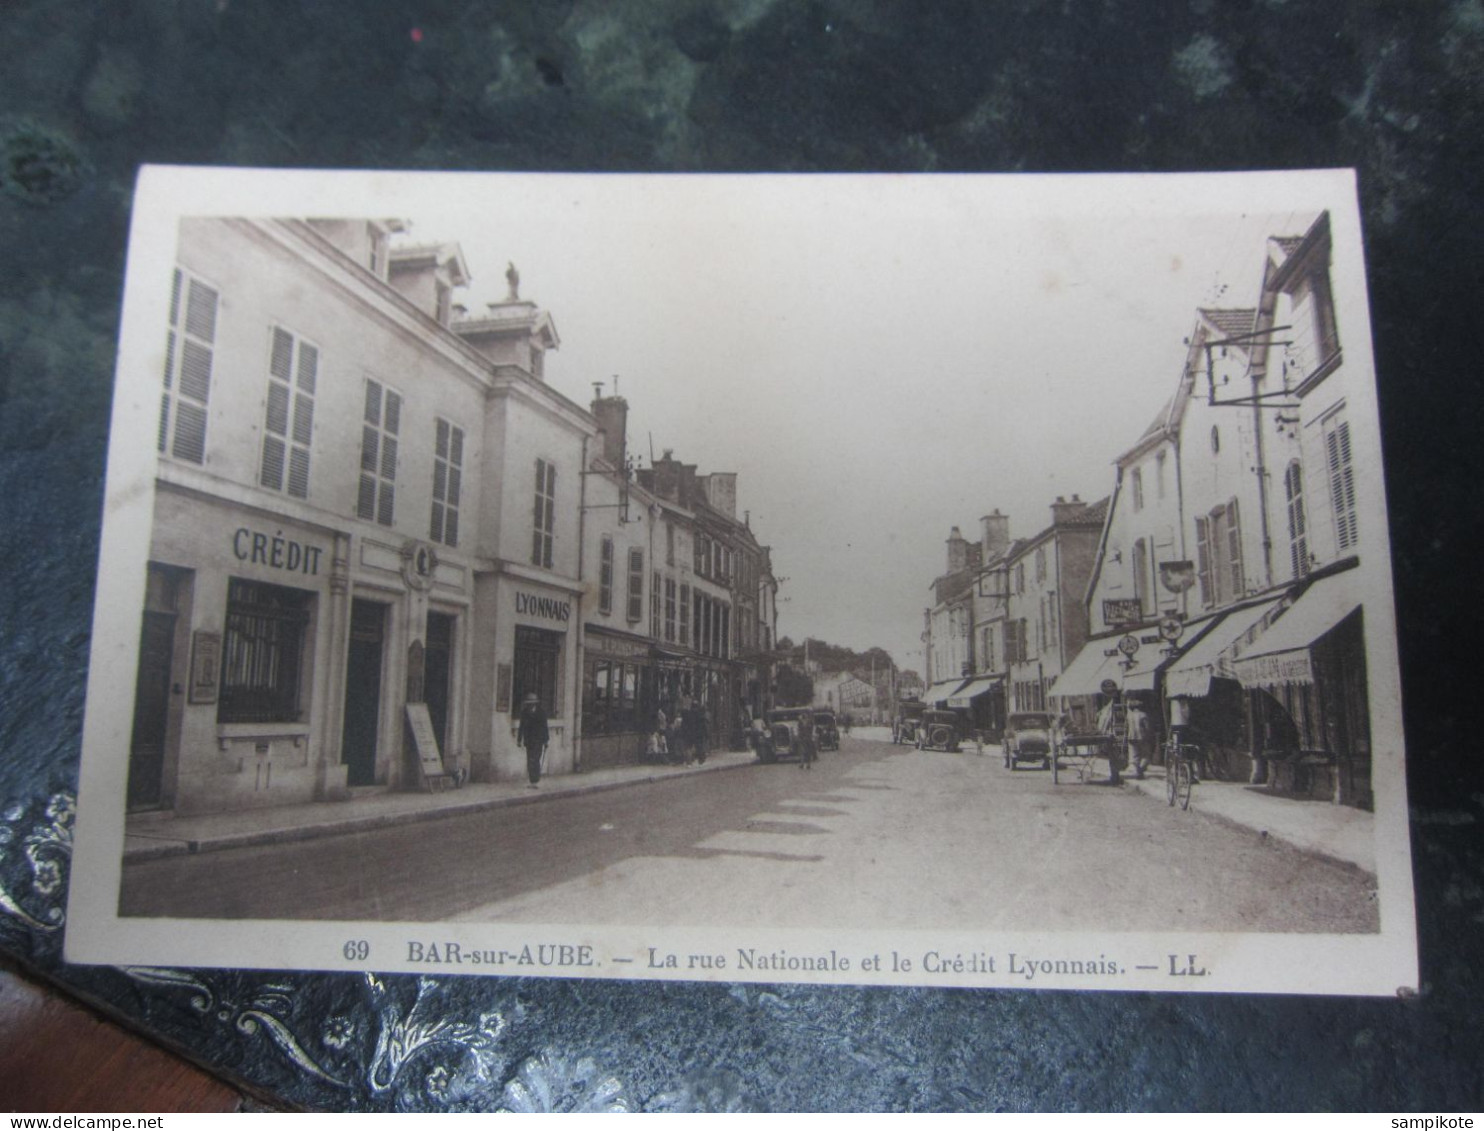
(232, 709)
(619, 698)
(982, 700)
(526, 646)
(1308, 697)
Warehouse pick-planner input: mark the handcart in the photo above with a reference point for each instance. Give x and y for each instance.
(1076, 753)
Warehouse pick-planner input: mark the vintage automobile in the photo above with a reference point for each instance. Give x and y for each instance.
(826, 730)
(1027, 739)
(908, 718)
(939, 730)
(790, 734)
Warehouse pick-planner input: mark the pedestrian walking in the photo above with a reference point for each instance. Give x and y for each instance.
(1140, 736)
(532, 733)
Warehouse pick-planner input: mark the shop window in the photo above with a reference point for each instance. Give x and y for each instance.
(636, 585)
(543, 514)
(537, 664)
(448, 482)
(190, 347)
(381, 423)
(293, 370)
(262, 653)
(1341, 482)
(605, 575)
(1298, 536)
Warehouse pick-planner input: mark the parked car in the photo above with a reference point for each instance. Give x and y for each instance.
(908, 718)
(939, 730)
(1027, 739)
(790, 734)
(826, 731)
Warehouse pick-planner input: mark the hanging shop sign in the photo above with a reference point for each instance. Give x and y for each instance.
(1119, 611)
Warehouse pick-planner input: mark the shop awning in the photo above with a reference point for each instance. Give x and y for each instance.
(1211, 654)
(965, 695)
(939, 692)
(1281, 654)
(1085, 674)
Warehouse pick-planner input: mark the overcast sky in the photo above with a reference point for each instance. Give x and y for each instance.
(879, 359)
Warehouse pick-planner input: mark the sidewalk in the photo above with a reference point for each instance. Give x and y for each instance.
(149, 836)
(1337, 832)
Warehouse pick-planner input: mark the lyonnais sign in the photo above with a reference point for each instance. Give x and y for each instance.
(547, 608)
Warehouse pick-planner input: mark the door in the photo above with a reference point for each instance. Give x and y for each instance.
(151, 710)
(438, 673)
(363, 691)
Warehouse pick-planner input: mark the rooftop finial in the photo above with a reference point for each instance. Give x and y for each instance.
(512, 277)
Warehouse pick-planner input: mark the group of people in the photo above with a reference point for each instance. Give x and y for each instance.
(681, 737)
(1127, 719)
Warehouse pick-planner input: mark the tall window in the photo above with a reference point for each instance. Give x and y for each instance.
(669, 543)
(1341, 482)
(670, 610)
(636, 584)
(1138, 489)
(605, 576)
(380, 424)
(448, 482)
(1218, 540)
(1298, 537)
(1041, 564)
(262, 653)
(1159, 475)
(189, 348)
(543, 514)
(537, 666)
(684, 608)
(293, 369)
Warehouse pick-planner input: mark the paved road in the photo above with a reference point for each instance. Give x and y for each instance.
(874, 836)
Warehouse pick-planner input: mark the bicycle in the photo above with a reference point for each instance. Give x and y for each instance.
(1181, 759)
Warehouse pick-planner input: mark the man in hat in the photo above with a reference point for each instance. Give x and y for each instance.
(531, 733)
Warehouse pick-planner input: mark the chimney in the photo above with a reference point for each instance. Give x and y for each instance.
(995, 534)
(612, 414)
(721, 491)
(1065, 511)
(958, 551)
(663, 476)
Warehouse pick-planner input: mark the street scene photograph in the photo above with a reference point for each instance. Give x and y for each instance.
(773, 557)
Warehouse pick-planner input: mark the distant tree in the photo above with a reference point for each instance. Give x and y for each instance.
(795, 688)
(785, 644)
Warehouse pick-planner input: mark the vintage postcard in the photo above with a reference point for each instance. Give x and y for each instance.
(912, 580)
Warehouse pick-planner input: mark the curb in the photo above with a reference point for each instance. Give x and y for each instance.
(368, 822)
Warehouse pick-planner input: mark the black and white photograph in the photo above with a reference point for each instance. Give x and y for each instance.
(907, 580)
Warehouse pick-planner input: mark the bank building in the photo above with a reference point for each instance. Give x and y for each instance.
(366, 530)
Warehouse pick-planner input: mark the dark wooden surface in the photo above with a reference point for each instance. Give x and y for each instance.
(59, 1057)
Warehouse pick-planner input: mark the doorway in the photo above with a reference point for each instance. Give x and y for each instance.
(359, 734)
(438, 673)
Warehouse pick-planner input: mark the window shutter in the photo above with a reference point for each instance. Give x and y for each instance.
(1234, 550)
(1203, 557)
